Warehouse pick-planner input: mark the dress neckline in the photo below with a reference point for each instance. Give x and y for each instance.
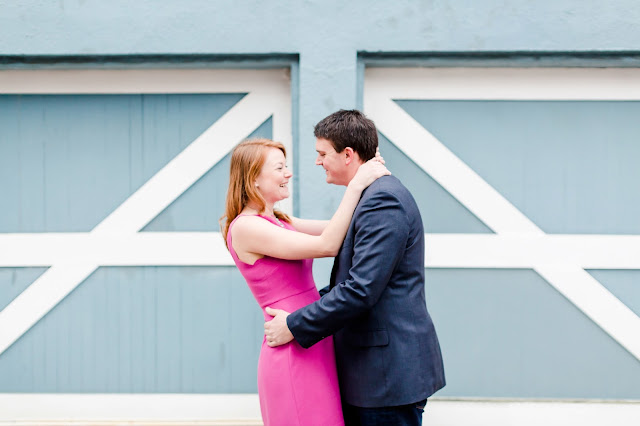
(271, 219)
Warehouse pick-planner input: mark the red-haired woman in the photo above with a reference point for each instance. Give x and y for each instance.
(273, 252)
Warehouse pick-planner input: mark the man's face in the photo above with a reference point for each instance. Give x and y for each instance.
(332, 162)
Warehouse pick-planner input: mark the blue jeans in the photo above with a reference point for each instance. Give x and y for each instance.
(401, 415)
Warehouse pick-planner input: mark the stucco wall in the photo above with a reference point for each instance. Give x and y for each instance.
(326, 34)
(325, 41)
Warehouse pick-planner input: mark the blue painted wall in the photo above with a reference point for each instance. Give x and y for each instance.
(327, 36)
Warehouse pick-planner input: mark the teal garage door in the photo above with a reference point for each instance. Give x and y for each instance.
(113, 275)
(528, 183)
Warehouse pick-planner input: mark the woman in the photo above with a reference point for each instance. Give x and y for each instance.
(273, 252)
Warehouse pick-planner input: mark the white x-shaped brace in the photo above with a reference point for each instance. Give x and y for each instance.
(518, 243)
(73, 257)
(559, 259)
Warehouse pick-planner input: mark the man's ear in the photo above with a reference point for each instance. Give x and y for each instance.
(349, 154)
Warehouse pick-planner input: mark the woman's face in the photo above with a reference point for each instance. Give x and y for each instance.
(273, 179)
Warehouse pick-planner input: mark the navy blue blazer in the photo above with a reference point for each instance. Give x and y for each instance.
(387, 350)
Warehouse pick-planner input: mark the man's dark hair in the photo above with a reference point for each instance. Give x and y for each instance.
(349, 128)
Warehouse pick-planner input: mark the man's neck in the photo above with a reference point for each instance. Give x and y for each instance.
(351, 172)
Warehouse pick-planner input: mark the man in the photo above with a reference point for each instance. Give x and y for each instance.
(387, 351)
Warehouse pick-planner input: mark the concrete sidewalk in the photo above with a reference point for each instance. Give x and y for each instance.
(243, 409)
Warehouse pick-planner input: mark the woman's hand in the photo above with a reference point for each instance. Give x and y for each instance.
(379, 156)
(369, 172)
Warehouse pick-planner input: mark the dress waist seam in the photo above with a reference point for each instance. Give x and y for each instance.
(288, 297)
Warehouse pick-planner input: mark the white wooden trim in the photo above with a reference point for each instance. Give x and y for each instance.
(186, 168)
(114, 249)
(554, 84)
(91, 81)
(454, 175)
(243, 409)
(207, 249)
(383, 86)
(530, 250)
(282, 133)
(268, 94)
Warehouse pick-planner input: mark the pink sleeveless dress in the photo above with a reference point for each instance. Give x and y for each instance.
(296, 386)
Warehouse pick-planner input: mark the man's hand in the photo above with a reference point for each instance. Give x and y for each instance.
(276, 330)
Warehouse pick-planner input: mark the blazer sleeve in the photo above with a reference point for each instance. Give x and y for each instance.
(381, 234)
(324, 290)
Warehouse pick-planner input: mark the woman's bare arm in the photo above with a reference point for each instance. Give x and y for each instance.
(315, 227)
(253, 237)
(309, 226)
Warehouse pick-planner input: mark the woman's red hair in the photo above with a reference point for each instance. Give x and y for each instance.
(247, 160)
